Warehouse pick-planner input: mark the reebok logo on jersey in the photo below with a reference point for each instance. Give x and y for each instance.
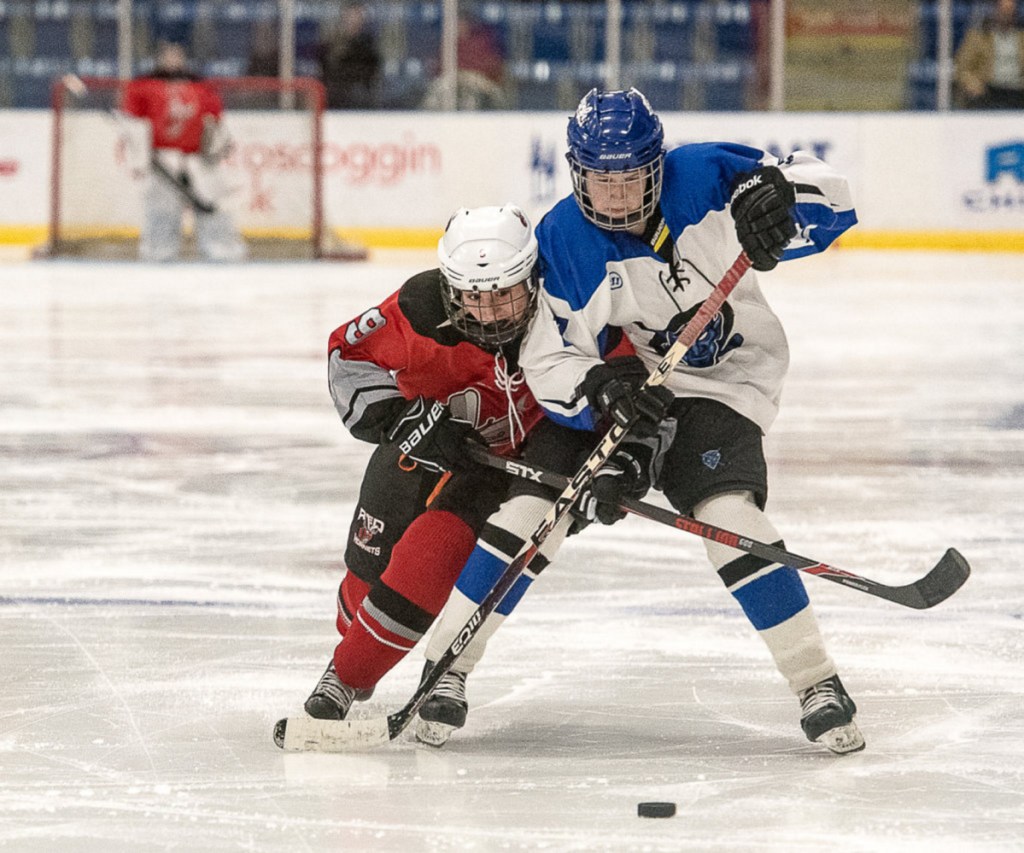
(750, 183)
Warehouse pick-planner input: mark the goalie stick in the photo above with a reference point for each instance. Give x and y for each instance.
(182, 185)
(306, 733)
(944, 578)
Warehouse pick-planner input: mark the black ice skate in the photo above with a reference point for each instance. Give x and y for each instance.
(445, 709)
(827, 713)
(331, 698)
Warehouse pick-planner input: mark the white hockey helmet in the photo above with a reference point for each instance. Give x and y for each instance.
(488, 260)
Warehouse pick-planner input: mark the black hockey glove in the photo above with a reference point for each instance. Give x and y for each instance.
(761, 204)
(378, 419)
(630, 472)
(614, 389)
(426, 432)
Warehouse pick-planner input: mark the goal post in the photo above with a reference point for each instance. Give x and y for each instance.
(271, 181)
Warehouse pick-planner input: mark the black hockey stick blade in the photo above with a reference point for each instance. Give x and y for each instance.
(945, 578)
(949, 574)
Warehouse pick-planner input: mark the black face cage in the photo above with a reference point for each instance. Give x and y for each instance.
(650, 175)
(514, 306)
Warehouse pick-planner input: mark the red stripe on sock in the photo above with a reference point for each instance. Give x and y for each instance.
(352, 591)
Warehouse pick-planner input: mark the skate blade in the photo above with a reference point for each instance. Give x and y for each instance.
(432, 733)
(843, 739)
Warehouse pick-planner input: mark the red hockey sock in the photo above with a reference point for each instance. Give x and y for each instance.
(351, 593)
(405, 601)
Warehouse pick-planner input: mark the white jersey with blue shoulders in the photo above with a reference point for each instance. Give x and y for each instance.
(651, 286)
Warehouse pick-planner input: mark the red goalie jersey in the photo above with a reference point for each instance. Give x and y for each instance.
(406, 347)
(175, 106)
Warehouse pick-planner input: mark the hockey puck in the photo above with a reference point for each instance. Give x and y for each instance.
(655, 809)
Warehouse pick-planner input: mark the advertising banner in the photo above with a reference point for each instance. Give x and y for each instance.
(395, 172)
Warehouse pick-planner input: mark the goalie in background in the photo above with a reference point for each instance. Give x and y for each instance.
(188, 143)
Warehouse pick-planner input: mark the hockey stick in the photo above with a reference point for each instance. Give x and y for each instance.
(306, 733)
(182, 185)
(945, 578)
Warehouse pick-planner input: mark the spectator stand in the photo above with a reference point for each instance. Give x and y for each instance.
(923, 73)
(685, 54)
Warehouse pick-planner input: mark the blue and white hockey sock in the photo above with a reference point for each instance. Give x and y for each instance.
(501, 539)
(771, 595)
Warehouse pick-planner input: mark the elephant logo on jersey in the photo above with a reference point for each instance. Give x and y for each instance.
(467, 406)
(180, 111)
(712, 345)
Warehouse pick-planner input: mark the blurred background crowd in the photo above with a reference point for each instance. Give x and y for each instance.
(541, 54)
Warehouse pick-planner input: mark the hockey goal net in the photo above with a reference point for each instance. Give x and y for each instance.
(271, 181)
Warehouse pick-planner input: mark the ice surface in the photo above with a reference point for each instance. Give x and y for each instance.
(175, 492)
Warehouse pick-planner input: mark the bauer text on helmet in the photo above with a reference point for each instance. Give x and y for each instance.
(616, 157)
(488, 261)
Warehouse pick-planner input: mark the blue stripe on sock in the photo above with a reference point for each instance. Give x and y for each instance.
(479, 574)
(771, 600)
(512, 597)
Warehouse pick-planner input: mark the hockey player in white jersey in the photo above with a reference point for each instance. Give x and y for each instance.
(639, 246)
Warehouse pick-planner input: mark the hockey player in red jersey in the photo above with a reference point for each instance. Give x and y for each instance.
(434, 365)
(188, 141)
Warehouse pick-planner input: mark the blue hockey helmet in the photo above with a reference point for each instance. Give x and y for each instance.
(616, 155)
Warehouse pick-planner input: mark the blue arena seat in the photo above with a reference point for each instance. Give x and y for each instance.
(104, 37)
(422, 24)
(233, 37)
(551, 34)
(664, 95)
(307, 37)
(31, 86)
(53, 36)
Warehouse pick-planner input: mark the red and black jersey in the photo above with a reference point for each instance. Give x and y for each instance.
(175, 107)
(406, 347)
